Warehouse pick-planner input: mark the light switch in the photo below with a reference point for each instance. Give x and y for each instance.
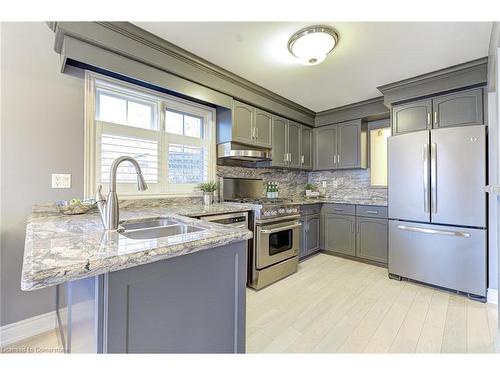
(61, 181)
(323, 183)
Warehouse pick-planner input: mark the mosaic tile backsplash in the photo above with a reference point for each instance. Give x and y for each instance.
(345, 184)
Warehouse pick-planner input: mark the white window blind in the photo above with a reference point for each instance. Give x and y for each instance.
(172, 139)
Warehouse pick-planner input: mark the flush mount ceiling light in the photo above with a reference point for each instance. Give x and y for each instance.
(312, 44)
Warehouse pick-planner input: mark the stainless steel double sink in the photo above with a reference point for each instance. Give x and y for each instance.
(156, 228)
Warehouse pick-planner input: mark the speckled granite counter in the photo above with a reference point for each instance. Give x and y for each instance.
(61, 248)
(358, 201)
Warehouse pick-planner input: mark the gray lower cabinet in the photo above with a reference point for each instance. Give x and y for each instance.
(193, 303)
(309, 235)
(371, 239)
(458, 109)
(411, 117)
(338, 233)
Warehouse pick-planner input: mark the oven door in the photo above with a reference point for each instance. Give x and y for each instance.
(276, 242)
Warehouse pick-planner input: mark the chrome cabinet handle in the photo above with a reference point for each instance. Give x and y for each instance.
(338, 209)
(371, 212)
(256, 133)
(435, 117)
(334, 159)
(434, 178)
(426, 178)
(338, 158)
(269, 231)
(357, 227)
(352, 227)
(302, 159)
(433, 231)
(428, 118)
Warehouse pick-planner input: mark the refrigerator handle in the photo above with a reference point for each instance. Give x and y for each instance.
(434, 178)
(434, 231)
(426, 177)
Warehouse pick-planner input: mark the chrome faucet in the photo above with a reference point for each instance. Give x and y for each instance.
(108, 208)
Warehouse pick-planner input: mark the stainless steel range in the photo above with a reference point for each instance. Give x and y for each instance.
(273, 253)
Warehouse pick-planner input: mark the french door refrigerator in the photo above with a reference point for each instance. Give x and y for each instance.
(437, 208)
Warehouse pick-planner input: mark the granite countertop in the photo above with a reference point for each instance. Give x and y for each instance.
(358, 201)
(61, 248)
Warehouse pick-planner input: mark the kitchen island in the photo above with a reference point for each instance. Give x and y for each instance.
(183, 293)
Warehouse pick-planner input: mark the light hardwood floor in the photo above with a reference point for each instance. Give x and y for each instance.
(335, 305)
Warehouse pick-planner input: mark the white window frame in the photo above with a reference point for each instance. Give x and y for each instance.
(94, 127)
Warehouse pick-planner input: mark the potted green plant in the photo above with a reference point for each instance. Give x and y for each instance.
(208, 189)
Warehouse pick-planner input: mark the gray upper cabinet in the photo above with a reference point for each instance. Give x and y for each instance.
(263, 125)
(325, 153)
(458, 109)
(338, 233)
(371, 239)
(341, 146)
(251, 125)
(350, 145)
(294, 155)
(306, 147)
(279, 140)
(411, 117)
(243, 119)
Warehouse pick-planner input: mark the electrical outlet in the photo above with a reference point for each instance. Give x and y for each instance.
(323, 184)
(61, 181)
(335, 184)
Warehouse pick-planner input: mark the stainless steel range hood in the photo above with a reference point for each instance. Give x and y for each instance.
(238, 151)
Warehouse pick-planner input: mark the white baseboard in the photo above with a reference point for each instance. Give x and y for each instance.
(24, 329)
(492, 296)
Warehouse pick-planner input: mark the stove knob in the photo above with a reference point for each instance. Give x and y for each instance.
(281, 210)
(274, 212)
(267, 213)
(289, 210)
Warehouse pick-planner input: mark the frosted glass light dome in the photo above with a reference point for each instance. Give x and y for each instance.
(312, 44)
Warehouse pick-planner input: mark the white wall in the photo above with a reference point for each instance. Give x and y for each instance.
(41, 133)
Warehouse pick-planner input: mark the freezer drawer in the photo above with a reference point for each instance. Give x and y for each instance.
(450, 257)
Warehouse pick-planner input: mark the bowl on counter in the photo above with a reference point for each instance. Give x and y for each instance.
(75, 206)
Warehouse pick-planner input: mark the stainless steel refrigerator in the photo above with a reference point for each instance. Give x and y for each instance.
(437, 208)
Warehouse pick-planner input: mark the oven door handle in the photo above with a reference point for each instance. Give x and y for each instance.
(269, 231)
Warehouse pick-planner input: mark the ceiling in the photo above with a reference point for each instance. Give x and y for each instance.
(369, 54)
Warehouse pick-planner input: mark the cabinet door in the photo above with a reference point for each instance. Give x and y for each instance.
(326, 147)
(306, 147)
(303, 238)
(294, 144)
(279, 138)
(411, 117)
(349, 145)
(243, 119)
(312, 233)
(371, 239)
(263, 124)
(458, 109)
(338, 233)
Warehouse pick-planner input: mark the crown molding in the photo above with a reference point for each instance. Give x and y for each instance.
(370, 108)
(132, 42)
(454, 77)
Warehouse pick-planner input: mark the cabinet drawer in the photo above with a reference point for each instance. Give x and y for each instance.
(310, 209)
(371, 211)
(339, 209)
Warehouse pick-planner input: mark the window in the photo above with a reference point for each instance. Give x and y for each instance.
(172, 139)
(379, 132)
